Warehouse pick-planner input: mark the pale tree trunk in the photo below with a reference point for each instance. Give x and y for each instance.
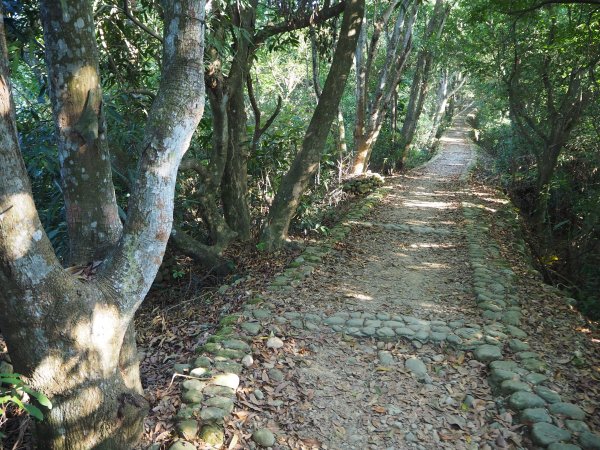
(92, 216)
(420, 82)
(66, 334)
(444, 95)
(305, 163)
(370, 117)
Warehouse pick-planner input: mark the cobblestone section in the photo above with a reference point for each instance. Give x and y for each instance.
(486, 325)
(518, 375)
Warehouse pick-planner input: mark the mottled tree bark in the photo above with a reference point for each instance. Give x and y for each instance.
(66, 334)
(307, 160)
(72, 61)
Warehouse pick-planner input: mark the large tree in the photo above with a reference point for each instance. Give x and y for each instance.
(304, 165)
(66, 333)
(371, 105)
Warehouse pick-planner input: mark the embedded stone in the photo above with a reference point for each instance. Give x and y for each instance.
(369, 331)
(385, 332)
(182, 445)
(261, 314)
(405, 331)
(199, 372)
(589, 441)
(274, 342)
(487, 353)
(534, 415)
(218, 390)
(230, 380)
(236, 344)
(224, 403)
(468, 333)
(454, 339)
(193, 385)
(263, 437)
(516, 332)
(534, 365)
(526, 355)
(202, 361)
(355, 323)
(421, 335)
(335, 320)
(192, 396)
(517, 345)
(228, 366)
(544, 434)
(392, 323)
(547, 394)
(252, 328)
(577, 426)
(523, 400)
(503, 365)
(497, 376)
(436, 336)
(535, 378)
(188, 429)
(568, 409)
(211, 413)
(510, 386)
(213, 436)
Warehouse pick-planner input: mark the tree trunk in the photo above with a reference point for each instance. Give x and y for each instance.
(370, 121)
(307, 160)
(420, 83)
(92, 216)
(418, 91)
(234, 184)
(80, 338)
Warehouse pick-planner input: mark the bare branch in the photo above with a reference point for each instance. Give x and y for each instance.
(297, 23)
(144, 27)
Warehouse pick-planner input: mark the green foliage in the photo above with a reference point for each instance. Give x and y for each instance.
(16, 394)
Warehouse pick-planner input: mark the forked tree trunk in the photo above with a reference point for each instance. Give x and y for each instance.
(369, 117)
(66, 334)
(420, 82)
(307, 160)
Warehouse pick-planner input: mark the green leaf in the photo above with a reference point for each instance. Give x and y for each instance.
(41, 398)
(34, 411)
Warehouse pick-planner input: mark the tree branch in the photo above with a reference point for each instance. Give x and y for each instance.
(297, 23)
(258, 130)
(144, 27)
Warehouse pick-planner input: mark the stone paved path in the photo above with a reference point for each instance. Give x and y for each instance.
(386, 339)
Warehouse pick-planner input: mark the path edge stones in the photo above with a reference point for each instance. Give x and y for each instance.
(518, 377)
(210, 381)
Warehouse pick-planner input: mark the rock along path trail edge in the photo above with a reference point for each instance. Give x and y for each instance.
(406, 333)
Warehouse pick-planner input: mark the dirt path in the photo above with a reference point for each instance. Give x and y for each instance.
(386, 339)
(409, 259)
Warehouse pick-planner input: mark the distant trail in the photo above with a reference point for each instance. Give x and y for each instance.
(387, 339)
(398, 291)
